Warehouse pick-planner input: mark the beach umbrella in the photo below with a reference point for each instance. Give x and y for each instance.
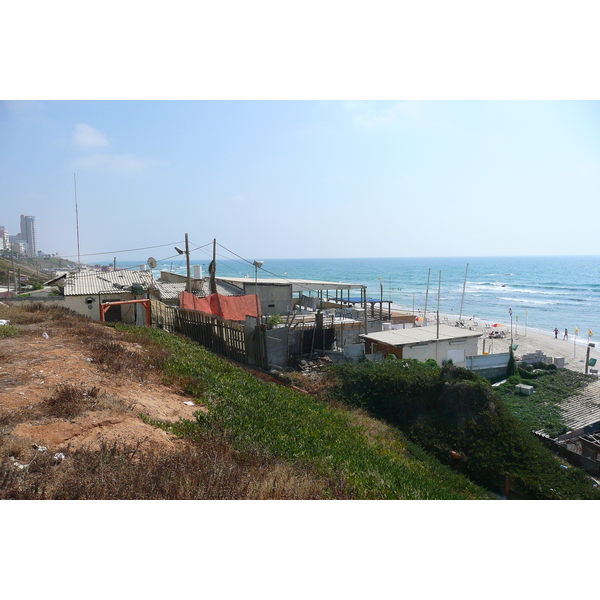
(497, 325)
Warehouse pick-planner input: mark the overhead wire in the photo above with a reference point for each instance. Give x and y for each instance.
(285, 279)
(209, 255)
(120, 251)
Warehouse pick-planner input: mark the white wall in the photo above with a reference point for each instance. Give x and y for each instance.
(92, 310)
(445, 351)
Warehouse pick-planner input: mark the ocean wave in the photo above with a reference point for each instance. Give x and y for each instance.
(528, 301)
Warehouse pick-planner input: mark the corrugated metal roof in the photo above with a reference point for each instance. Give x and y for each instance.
(170, 291)
(420, 335)
(87, 283)
(298, 285)
(583, 408)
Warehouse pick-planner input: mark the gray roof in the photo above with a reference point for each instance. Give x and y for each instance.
(420, 335)
(298, 285)
(202, 285)
(170, 291)
(87, 283)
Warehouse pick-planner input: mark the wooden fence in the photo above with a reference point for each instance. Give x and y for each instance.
(253, 346)
(223, 337)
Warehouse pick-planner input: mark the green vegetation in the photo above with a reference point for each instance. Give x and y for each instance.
(460, 419)
(7, 331)
(542, 409)
(274, 320)
(375, 460)
(37, 270)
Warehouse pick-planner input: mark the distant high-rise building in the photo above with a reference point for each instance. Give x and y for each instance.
(28, 234)
(4, 238)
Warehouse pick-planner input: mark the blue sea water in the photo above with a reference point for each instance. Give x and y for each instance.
(543, 292)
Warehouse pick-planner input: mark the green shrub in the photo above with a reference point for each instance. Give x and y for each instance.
(459, 418)
(7, 331)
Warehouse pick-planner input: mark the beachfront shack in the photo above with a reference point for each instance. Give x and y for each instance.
(441, 343)
(282, 296)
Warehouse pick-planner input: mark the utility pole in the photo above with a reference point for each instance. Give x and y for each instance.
(12, 258)
(426, 298)
(366, 312)
(212, 268)
(188, 284)
(437, 332)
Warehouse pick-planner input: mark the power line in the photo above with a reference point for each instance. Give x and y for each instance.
(285, 279)
(119, 251)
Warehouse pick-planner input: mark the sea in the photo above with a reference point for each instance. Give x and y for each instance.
(527, 292)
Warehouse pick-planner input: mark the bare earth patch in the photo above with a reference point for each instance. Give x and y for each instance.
(34, 366)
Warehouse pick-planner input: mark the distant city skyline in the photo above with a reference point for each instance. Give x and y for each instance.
(289, 179)
(25, 237)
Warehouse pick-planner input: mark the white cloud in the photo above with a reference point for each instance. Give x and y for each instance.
(115, 163)
(24, 107)
(86, 136)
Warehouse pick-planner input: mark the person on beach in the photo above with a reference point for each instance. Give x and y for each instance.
(566, 336)
(556, 333)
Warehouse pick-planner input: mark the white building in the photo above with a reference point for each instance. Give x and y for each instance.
(422, 343)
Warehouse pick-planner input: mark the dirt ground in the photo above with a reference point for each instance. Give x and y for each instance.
(33, 367)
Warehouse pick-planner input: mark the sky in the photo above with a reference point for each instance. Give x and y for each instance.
(303, 179)
(433, 129)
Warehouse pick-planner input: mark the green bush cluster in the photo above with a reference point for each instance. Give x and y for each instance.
(7, 331)
(461, 420)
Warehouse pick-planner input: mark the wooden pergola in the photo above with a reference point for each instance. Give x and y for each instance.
(104, 306)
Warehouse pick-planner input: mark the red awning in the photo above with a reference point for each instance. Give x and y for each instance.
(234, 308)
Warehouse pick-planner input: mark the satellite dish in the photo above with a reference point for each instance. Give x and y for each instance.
(151, 263)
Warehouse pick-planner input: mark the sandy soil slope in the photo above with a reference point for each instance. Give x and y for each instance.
(32, 367)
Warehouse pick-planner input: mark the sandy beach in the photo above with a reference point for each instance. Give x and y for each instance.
(530, 340)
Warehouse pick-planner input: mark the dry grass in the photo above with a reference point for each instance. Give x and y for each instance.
(113, 357)
(207, 469)
(69, 401)
(29, 313)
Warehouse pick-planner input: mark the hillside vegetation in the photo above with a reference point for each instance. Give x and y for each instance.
(38, 270)
(459, 418)
(395, 430)
(257, 440)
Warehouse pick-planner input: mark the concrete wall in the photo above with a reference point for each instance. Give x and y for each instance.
(274, 299)
(489, 365)
(169, 277)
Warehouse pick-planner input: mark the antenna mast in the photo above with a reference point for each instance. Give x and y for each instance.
(77, 221)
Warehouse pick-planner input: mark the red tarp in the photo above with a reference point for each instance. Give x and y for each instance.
(234, 308)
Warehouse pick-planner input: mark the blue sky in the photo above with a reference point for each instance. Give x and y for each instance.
(287, 179)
